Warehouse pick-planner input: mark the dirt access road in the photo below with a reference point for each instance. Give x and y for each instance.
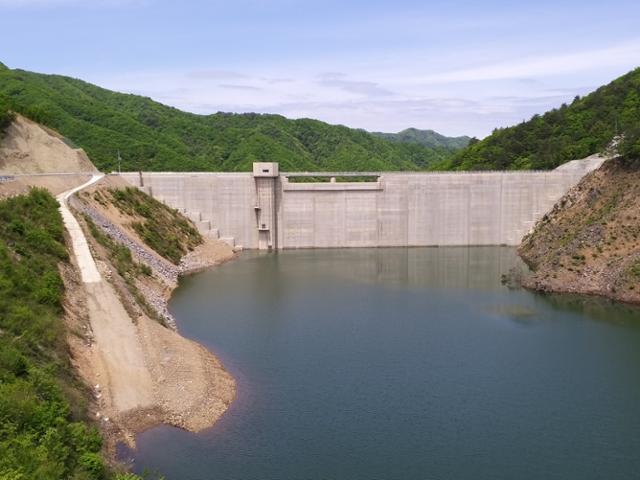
(118, 354)
(143, 373)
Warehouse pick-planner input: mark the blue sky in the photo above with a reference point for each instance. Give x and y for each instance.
(454, 66)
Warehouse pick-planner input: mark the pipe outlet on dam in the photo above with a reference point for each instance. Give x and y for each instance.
(268, 209)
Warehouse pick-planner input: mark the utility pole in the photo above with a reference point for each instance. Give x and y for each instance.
(119, 162)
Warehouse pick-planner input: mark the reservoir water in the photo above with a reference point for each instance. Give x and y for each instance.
(405, 364)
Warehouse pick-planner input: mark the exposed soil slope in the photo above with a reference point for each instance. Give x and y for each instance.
(590, 242)
(34, 156)
(146, 372)
(30, 148)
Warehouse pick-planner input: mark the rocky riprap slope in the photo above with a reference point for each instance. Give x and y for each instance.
(590, 241)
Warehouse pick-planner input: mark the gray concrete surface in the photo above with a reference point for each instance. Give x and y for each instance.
(84, 259)
(397, 209)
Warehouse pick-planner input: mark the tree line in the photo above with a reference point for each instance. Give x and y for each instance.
(584, 127)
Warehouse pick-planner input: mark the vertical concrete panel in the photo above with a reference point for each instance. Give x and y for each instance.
(484, 218)
(393, 212)
(361, 220)
(329, 219)
(298, 223)
(454, 204)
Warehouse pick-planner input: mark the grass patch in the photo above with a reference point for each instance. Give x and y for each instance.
(634, 270)
(163, 229)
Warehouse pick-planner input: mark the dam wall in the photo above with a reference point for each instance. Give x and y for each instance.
(268, 209)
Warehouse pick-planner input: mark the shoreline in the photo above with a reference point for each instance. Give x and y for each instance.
(139, 370)
(192, 400)
(534, 285)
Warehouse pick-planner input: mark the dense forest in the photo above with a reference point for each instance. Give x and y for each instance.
(426, 138)
(580, 129)
(152, 136)
(42, 432)
(5, 115)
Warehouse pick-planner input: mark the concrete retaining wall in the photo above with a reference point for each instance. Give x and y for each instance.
(399, 209)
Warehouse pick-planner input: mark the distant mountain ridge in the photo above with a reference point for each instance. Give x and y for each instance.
(426, 138)
(153, 136)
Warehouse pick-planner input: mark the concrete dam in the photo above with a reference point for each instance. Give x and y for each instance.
(267, 209)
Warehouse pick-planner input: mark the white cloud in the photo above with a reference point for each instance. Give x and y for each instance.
(215, 75)
(364, 88)
(386, 97)
(547, 65)
(241, 87)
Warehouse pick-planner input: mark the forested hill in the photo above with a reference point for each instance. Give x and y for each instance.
(152, 136)
(573, 131)
(426, 138)
(5, 113)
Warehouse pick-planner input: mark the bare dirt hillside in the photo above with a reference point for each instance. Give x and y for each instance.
(28, 147)
(590, 242)
(34, 156)
(155, 376)
(12, 186)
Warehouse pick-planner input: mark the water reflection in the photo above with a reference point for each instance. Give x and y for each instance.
(438, 267)
(595, 308)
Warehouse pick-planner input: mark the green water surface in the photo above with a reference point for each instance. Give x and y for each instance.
(405, 364)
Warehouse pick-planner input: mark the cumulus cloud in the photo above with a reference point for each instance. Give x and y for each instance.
(392, 96)
(364, 88)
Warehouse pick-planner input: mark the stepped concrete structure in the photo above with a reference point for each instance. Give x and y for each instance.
(267, 209)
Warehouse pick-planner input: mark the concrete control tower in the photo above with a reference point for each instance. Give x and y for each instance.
(266, 176)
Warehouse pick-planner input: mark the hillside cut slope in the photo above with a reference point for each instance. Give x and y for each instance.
(590, 242)
(154, 137)
(28, 148)
(33, 156)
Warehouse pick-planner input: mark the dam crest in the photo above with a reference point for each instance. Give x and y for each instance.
(268, 209)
